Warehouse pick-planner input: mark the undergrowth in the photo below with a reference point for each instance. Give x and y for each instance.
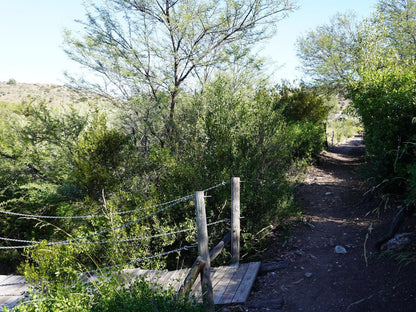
(59, 284)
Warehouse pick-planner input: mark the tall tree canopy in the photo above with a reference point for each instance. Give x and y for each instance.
(328, 53)
(398, 19)
(153, 46)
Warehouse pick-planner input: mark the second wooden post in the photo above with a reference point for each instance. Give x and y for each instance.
(235, 221)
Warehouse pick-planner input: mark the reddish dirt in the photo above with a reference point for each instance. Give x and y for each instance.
(317, 278)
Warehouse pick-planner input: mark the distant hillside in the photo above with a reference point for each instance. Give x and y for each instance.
(54, 95)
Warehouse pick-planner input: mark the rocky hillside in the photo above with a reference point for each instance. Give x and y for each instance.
(55, 95)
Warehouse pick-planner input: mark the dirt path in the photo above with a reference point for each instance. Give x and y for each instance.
(317, 278)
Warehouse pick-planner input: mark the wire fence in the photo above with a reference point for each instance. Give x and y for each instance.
(84, 240)
(36, 243)
(34, 216)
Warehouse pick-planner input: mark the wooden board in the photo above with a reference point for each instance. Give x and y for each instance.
(231, 284)
(11, 290)
(246, 282)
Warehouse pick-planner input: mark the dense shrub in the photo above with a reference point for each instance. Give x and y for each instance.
(385, 99)
(302, 104)
(97, 158)
(11, 81)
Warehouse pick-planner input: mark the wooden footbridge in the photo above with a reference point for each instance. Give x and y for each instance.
(213, 286)
(231, 284)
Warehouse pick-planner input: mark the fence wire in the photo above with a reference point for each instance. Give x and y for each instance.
(33, 216)
(35, 243)
(66, 242)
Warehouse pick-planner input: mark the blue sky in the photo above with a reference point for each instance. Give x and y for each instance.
(31, 36)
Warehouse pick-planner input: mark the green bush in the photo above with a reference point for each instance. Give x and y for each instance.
(385, 99)
(339, 130)
(97, 158)
(11, 81)
(302, 104)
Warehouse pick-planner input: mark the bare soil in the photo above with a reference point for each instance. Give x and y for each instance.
(317, 278)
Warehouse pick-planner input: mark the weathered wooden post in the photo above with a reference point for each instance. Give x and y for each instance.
(206, 285)
(235, 221)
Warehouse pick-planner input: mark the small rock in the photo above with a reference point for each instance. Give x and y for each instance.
(308, 274)
(399, 242)
(340, 250)
(328, 193)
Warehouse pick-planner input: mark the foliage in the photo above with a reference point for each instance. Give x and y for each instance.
(329, 53)
(301, 104)
(147, 48)
(374, 60)
(385, 100)
(57, 285)
(398, 25)
(96, 169)
(97, 157)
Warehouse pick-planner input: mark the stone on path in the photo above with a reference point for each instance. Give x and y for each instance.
(340, 250)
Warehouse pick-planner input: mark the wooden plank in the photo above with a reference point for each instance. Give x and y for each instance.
(170, 279)
(9, 279)
(152, 276)
(19, 291)
(181, 276)
(12, 290)
(222, 279)
(246, 283)
(166, 278)
(3, 278)
(196, 288)
(233, 285)
(191, 276)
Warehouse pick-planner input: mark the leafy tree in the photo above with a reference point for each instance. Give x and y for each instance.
(398, 21)
(147, 48)
(328, 54)
(336, 53)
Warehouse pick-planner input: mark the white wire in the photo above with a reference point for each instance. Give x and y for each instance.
(35, 243)
(66, 242)
(102, 215)
(89, 216)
